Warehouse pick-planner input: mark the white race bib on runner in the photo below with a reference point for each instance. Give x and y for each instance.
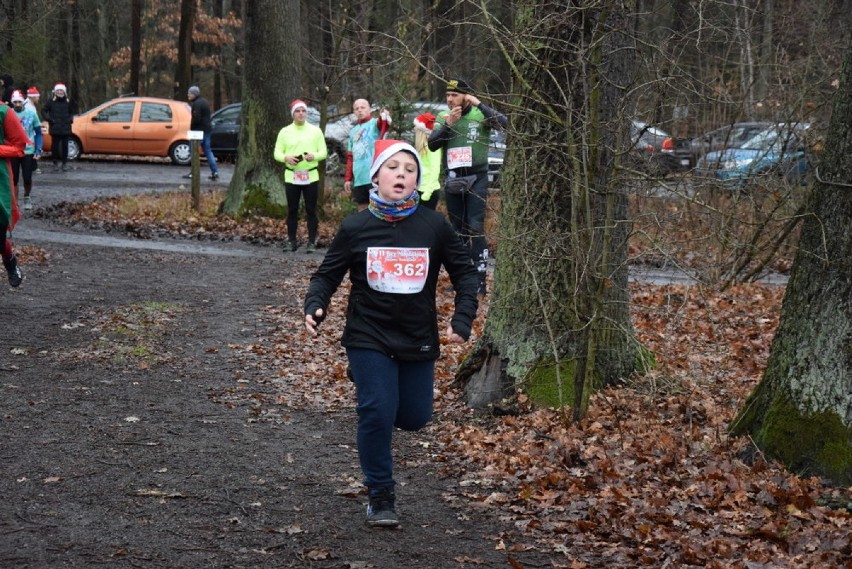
(301, 177)
(400, 270)
(461, 157)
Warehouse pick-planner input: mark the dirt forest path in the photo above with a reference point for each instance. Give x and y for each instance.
(105, 463)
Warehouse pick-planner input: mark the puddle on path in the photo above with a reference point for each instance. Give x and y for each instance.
(24, 235)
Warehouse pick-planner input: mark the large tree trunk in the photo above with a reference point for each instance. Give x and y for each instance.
(135, 46)
(801, 412)
(273, 65)
(559, 323)
(183, 71)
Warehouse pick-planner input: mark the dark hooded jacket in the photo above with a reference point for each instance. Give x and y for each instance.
(59, 113)
(8, 88)
(402, 326)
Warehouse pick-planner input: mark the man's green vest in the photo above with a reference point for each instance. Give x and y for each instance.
(471, 131)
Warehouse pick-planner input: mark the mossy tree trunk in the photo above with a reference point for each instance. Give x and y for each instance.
(559, 323)
(801, 411)
(271, 75)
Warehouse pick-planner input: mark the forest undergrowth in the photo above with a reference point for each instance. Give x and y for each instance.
(650, 477)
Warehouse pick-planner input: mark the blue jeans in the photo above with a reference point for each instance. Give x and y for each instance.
(390, 394)
(467, 216)
(208, 152)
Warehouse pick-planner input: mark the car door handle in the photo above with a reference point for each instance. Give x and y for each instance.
(126, 127)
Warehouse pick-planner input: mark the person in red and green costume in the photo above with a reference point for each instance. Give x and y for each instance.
(465, 133)
(359, 154)
(13, 142)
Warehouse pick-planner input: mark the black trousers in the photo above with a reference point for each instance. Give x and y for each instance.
(310, 192)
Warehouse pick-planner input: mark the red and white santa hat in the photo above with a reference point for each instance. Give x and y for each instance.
(296, 105)
(426, 122)
(384, 149)
(33, 92)
(60, 87)
(17, 97)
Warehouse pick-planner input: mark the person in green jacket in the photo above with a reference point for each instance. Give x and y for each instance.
(464, 133)
(301, 147)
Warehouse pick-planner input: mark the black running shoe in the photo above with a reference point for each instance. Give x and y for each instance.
(381, 509)
(14, 271)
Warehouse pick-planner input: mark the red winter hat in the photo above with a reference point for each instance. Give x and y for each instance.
(33, 92)
(426, 121)
(296, 105)
(17, 97)
(384, 149)
(60, 87)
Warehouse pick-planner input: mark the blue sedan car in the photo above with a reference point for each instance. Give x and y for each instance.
(780, 149)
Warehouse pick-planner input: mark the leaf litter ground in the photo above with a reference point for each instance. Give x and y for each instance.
(167, 410)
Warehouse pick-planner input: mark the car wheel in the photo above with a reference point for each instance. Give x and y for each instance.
(181, 153)
(74, 148)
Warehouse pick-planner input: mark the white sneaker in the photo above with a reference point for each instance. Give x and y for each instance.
(27, 203)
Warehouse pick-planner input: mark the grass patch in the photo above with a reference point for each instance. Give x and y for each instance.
(130, 335)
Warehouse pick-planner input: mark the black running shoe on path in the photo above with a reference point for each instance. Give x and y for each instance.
(14, 271)
(381, 510)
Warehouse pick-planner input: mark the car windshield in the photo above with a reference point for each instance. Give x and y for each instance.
(770, 140)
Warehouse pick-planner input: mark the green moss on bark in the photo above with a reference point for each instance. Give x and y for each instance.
(256, 201)
(542, 383)
(646, 360)
(815, 444)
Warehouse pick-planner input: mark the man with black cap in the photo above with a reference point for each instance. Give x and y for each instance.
(465, 133)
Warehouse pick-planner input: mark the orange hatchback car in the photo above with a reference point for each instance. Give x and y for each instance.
(132, 126)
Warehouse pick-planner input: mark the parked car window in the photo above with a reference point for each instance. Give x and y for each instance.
(227, 116)
(119, 112)
(774, 139)
(155, 112)
(738, 134)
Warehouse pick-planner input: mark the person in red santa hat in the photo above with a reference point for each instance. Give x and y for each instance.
(430, 186)
(32, 102)
(59, 113)
(393, 252)
(301, 147)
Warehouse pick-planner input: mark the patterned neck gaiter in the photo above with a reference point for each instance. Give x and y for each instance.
(392, 211)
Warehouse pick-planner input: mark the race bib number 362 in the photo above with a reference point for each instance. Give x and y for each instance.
(400, 270)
